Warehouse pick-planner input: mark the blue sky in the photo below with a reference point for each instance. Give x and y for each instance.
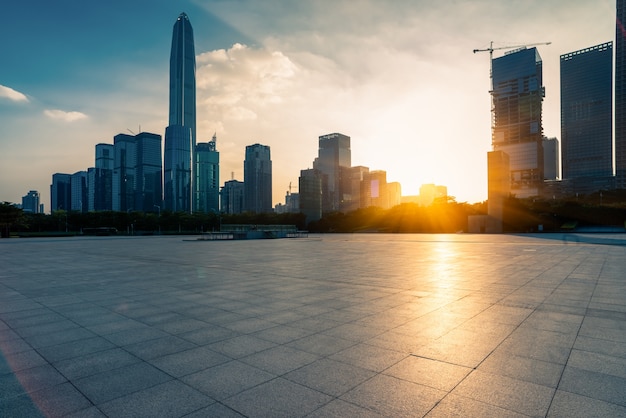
(398, 77)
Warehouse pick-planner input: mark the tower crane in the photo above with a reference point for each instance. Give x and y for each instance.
(491, 49)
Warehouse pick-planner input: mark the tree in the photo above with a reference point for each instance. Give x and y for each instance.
(10, 215)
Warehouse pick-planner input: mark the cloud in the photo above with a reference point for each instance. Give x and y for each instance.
(14, 95)
(63, 115)
(238, 80)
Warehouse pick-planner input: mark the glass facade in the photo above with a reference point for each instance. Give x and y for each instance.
(620, 95)
(149, 172)
(61, 192)
(177, 169)
(207, 177)
(587, 112)
(232, 197)
(517, 98)
(123, 187)
(257, 173)
(334, 160)
(180, 135)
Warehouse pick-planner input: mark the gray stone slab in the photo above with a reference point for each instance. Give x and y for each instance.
(279, 360)
(94, 363)
(112, 384)
(390, 396)
(595, 385)
(189, 361)
(429, 372)
(227, 379)
(277, 398)
(571, 405)
(169, 399)
(331, 377)
(369, 357)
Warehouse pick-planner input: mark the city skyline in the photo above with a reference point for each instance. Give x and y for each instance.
(393, 78)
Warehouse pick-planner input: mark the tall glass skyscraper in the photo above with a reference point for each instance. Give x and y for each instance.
(207, 177)
(334, 160)
(257, 179)
(587, 113)
(517, 127)
(620, 95)
(180, 135)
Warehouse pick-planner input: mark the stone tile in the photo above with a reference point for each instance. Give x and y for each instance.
(342, 409)
(150, 349)
(55, 338)
(189, 361)
(279, 360)
(461, 407)
(369, 357)
(507, 393)
(601, 363)
(73, 349)
(328, 376)
(15, 362)
(94, 363)
(241, 346)
(282, 334)
(216, 410)
(29, 381)
(227, 379)
(208, 335)
(277, 398)
(523, 368)
(571, 405)
(321, 344)
(169, 399)
(595, 385)
(60, 400)
(389, 396)
(428, 372)
(19, 406)
(135, 335)
(112, 384)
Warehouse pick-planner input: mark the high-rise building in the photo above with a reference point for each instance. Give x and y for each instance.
(207, 176)
(517, 96)
(498, 189)
(125, 161)
(620, 95)
(359, 192)
(587, 114)
(232, 197)
(334, 160)
(30, 202)
(257, 179)
(551, 159)
(310, 191)
(79, 193)
(180, 135)
(148, 172)
(61, 192)
(100, 179)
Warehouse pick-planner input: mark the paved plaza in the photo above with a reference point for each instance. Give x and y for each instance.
(346, 325)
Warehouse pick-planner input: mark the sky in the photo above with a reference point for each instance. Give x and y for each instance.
(399, 77)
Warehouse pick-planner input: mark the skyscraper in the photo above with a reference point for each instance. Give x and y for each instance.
(101, 179)
(79, 193)
(587, 116)
(61, 192)
(232, 197)
(148, 172)
(207, 177)
(517, 97)
(257, 179)
(30, 202)
(620, 95)
(334, 160)
(180, 135)
(125, 160)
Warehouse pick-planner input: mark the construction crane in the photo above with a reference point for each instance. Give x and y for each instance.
(491, 49)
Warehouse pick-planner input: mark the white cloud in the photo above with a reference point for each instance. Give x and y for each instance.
(14, 95)
(57, 114)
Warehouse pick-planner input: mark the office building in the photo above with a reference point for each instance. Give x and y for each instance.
(100, 179)
(498, 190)
(148, 173)
(517, 97)
(257, 179)
(125, 160)
(310, 191)
(79, 194)
(431, 192)
(586, 114)
(359, 192)
(61, 192)
(551, 159)
(620, 95)
(30, 202)
(207, 177)
(334, 160)
(232, 197)
(180, 135)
